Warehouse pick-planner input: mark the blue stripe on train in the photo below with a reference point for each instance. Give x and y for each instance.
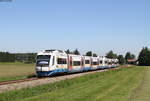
(48, 73)
(53, 72)
(101, 67)
(86, 68)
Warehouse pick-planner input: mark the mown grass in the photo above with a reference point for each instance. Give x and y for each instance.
(142, 92)
(14, 71)
(107, 86)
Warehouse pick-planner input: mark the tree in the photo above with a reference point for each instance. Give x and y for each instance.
(89, 53)
(94, 55)
(121, 59)
(111, 55)
(128, 56)
(76, 52)
(144, 57)
(132, 56)
(68, 51)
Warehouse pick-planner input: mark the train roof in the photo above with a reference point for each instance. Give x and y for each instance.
(48, 52)
(63, 53)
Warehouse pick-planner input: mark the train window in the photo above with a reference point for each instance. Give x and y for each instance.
(106, 62)
(61, 61)
(116, 62)
(87, 61)
(43, 57)
(76, 63)
(64, 61)
(109, 63)
(94, 63)
(101, 62)
(43, 60)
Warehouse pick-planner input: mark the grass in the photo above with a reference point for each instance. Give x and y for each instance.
(141, 93)
(13, 71)
(106, 86)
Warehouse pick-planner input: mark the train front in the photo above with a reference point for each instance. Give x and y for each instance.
(43, 64)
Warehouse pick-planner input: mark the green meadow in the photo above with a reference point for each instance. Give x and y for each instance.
(118, 85)
(13, 71)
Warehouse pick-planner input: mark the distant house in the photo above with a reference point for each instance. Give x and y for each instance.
(132, 61)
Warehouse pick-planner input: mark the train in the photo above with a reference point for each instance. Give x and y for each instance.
(52, 62)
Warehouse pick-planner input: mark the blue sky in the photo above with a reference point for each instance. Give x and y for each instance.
(96, 25)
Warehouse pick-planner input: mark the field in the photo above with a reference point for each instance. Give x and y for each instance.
(142, 92)
(13, 71)
(118, 85)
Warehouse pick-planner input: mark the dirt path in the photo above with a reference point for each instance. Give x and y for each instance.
(142, 93)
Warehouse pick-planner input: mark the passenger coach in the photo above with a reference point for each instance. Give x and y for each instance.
(51, 62)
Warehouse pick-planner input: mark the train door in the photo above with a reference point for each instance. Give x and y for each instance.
(91, 63)
(70, 63)
(82, 63)
(97, 63)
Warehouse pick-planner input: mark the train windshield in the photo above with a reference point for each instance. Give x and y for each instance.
(43, 60)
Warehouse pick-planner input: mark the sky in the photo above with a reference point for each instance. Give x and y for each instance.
(86, 25)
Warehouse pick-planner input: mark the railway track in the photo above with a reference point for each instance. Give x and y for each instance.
(35, 78)
(18, 81)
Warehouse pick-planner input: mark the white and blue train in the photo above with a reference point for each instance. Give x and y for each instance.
(51, 62)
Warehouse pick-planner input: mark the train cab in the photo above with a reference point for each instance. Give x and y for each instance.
(49, 62)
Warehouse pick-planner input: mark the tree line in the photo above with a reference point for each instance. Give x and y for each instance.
(110, 54)
(17, 57)
(7, 57)
(143, 58)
